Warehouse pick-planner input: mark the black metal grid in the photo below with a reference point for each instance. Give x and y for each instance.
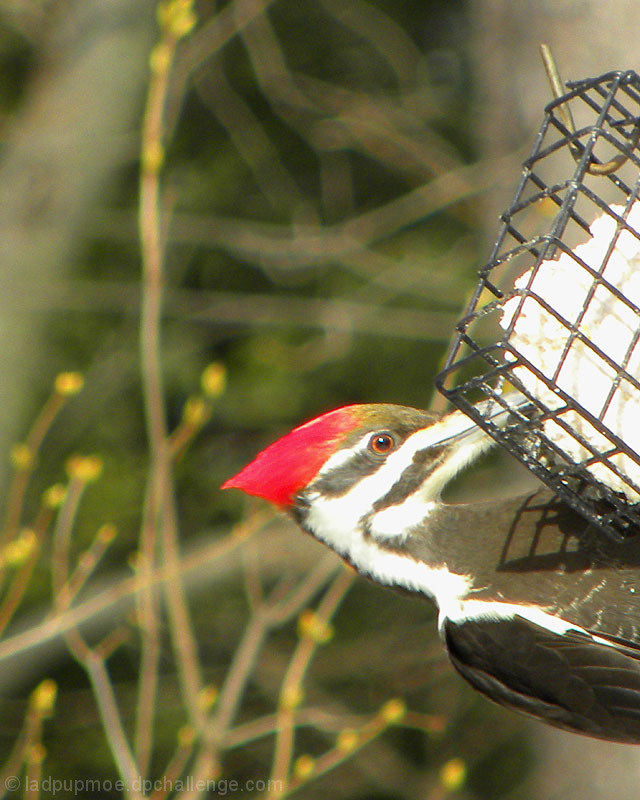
(557, 199)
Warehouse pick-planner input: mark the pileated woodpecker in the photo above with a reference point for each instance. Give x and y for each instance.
(536, 610)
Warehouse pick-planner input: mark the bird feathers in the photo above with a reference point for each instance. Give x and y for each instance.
(573, 681)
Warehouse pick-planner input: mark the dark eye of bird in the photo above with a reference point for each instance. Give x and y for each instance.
(382, 443)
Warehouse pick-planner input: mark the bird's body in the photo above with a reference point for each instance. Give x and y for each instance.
(536, 609)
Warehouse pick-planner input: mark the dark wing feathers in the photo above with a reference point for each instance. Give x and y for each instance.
(571, 680)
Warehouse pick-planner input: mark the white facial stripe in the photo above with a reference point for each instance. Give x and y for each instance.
(444, 587)
(452, 426)
(341, 457)
(374, 486)
(469, 448)
(338, 517)
(397, 520)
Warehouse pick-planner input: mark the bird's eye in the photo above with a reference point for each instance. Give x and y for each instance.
(382, 443)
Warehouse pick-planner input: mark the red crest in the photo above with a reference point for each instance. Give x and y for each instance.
(290, 463)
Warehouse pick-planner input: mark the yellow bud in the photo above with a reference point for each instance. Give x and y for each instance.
(207, 697)
(84, 468)
(393, 710)
(21, 456)
(18, 551)
(12, 553)
(152, 158)
(183, 24)
(69, 383)
(177, 17)
(304, 766)
(453, 775)
(43, 697)
(310, 625)
(347, 740)
(53, 497)
(160, 58)
(186, 735)
(195, 412)
(37, 753)
(291, 698)
(107, 533)
(214, 380)
(305, 622)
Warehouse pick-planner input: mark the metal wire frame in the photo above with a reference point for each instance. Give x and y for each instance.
(484, 361)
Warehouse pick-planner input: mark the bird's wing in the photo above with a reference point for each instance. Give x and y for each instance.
(572, 680)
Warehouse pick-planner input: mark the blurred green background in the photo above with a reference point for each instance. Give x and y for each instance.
(334, 173)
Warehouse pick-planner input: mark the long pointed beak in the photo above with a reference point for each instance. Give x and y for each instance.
(458, 426)
(464, 440)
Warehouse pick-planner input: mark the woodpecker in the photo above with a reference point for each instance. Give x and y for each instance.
(537, 611)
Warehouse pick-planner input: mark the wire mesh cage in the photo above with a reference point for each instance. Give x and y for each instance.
(555, 315)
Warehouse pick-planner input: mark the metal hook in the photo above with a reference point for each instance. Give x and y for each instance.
(564, 112)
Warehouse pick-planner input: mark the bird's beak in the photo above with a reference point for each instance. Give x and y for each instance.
(459, 426)
(464, 439)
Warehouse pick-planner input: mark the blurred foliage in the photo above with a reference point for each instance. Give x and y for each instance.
(320, 237)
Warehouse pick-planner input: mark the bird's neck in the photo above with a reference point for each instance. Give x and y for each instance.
(392, 562)
(524, 549)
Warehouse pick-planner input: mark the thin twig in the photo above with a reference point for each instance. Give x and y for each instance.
(177, 19)
(267, 725)
(29, 733)
(291, 689)
(211, 38)
(18, 586)
(360, 737)
(177, 764)
(148, 618)
(109, 713)
(89, 560)
(301, 594)
(239, 671)
(108, 599)
(111, 642)
(92, 662)
(18, 486)
(250, 555)
(266, 616)
(62, 540)
(33, 772)
(236, 309)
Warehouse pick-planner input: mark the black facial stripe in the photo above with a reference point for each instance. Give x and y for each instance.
(300, 511)
(338, 481)
(423, 463)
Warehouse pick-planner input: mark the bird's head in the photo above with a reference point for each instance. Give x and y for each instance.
(362, 471)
